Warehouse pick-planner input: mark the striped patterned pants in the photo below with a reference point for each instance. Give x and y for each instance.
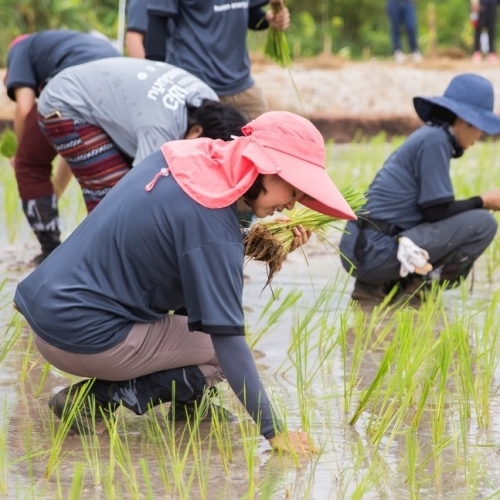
(94, 159)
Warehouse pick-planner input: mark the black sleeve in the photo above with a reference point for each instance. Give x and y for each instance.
(155, 43)
(257, 19)
(442, 211)
(238, 365)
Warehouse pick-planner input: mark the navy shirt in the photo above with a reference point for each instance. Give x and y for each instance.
(136, 257)
(137, 16)
(208, 39)
(415, 176)
(36, 59)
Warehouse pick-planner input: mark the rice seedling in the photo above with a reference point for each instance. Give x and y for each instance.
(4, 460)
(276, 44)
(271, 241)
(272, 318)
(146, 474)
(72, 411)
(77, 482)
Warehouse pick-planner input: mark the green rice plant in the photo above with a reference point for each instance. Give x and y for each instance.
(77, 482)
(412, 448)
(55, 455)
(8, 143)
(157, 441)
(146, 474)
(176, 453)
(463, 369)
(487, 346)
(250, 439)
(221, 434)
(43, 378)
(367, 331)
(274, 317)
(11, 336)
(91, 448)
(122, 461)
(4, 461)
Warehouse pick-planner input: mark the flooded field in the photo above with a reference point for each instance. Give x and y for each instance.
(402, 401)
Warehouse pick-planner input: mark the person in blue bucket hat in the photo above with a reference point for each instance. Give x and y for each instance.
(413, 230)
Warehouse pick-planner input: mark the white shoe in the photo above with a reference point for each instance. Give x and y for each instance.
(399, 57)
(417, 56)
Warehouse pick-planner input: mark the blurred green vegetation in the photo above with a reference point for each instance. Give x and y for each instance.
(353, 28)
(27, 16)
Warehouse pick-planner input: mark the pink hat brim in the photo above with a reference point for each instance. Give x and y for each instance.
(308, 177)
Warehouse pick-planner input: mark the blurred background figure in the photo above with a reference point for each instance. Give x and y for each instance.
(32, 61)
(484, 17)
(402, 13)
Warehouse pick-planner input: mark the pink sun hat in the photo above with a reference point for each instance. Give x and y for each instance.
(291, 147)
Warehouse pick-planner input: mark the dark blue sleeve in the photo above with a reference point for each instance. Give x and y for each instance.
(163, 7)
(433, 168)
(137, 16)
(21, 72)
(236, 360)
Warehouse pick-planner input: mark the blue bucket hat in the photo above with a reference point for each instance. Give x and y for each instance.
(468, 96)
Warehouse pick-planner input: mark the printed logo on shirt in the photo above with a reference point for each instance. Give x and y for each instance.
(172, 87)
(230, 6)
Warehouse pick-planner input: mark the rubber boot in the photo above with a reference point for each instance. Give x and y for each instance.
(453, 268)
(43, 217)
(101, 398)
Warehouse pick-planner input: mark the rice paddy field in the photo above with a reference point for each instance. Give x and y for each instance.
(401, 400)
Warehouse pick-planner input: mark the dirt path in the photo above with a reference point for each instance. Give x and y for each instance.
(343, 97)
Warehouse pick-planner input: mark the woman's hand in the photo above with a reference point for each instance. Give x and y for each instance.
(280, 20)
(300, 234)
(300, 237)
(293, 442)
(491, 200)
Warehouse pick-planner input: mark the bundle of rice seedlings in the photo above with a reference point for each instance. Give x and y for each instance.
(276, 44)
(271, 241)
(8, 143)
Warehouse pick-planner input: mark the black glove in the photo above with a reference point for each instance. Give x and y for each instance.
(43, 217)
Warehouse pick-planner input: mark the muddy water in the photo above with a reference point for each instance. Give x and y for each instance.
(349, 465)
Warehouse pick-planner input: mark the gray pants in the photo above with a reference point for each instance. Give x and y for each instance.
(465, 234)
(148, 348)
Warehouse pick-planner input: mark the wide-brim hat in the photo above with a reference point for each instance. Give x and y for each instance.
(468, 96)
(291, 147)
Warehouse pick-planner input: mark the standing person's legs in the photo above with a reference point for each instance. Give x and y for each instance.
(490, 22)
(410, 21)
(251, 102)
(392, 10)
(33, 169)
(95, 161)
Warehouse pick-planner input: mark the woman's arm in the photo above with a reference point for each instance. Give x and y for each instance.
(236, 360)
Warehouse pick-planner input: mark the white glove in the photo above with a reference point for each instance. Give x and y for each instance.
(413, 258)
